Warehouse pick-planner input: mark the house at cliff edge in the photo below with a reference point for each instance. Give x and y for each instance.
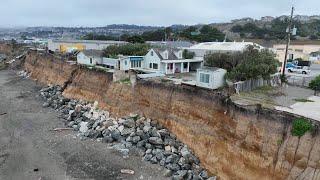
(159, 62)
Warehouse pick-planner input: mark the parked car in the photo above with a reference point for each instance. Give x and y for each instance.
(292, 68)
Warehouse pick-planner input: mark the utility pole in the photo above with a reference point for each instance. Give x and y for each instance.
(289, 29)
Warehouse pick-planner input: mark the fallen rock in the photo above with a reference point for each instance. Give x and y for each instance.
(155, 140)
(83, 127)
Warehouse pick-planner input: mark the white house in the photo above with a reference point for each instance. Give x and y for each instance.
(124, 63)
(170, 61)
(210, 77)
(89, 57)
(111, 63)
(205, 48)
(131, 62)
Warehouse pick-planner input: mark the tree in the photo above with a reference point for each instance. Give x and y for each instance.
(237, 29)
(157, 35)
(315, 84)
(135, 39)
(187, 54)
(99, 37)
(127, 50)
(205, 34)
(250, 64)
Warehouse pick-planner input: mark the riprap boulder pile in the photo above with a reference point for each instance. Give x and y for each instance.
(155, 143)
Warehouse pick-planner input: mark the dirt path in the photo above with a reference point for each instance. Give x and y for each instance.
(29, 150)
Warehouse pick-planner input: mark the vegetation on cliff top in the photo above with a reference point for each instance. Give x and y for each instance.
(250, 64)
(300, 127)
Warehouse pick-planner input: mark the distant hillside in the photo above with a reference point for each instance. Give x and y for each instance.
(271, 28)
(268, 29)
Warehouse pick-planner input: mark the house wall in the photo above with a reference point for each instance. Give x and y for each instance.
(125, 64)
(298, 51)
(153, 59)
(179, 54)
(111, 62)
(83, 59)
(216, 79)
(219, 78)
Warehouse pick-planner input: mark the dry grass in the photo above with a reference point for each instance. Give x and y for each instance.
(264, 95)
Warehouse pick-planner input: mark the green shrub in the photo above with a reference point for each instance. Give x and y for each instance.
(279, 142)
(315, 84)
(300, 127)
(250, 64)
(125, 81)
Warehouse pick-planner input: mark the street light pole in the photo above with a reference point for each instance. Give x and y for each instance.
(288, 43)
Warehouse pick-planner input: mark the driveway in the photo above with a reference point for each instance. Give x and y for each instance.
(307, 109)
(29, 150)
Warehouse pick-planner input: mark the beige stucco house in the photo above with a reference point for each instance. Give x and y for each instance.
(296, 51)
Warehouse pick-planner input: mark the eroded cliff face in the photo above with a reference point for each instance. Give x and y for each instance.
(231, 142)
(47, 69)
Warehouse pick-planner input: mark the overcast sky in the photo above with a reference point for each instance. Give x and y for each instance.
(142, 12)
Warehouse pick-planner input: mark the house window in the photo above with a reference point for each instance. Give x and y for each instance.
(150, 65)
(155, 66)
(125, 62)
(135, 64)
(165, 55)
(204, 78)
(185, 65)
(90, 60)
(151, 53)
(291, 56)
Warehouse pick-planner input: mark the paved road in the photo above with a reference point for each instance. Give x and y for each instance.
(315, 70)
(30, 151)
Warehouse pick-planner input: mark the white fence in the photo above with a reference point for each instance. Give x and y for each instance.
(299, 80)
(249, 85)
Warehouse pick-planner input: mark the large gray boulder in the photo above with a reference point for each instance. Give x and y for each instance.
(156, 141)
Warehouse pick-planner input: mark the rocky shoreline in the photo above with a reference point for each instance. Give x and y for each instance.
(131, 133)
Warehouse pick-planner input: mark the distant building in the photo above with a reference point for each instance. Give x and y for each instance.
(203, 49)
(89, 57)
(210, 77)
(302, 18)
(315, 17)
(267, 19)
(80, 45)
(243, 20)
(170, 44)
(295, 51)
(170, 61)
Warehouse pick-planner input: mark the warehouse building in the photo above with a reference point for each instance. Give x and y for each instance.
(65, 46)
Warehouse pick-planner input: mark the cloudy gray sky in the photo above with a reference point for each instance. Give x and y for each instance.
(142, 12)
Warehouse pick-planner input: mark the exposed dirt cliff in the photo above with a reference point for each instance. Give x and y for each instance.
(232, 142)
(47, 69)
